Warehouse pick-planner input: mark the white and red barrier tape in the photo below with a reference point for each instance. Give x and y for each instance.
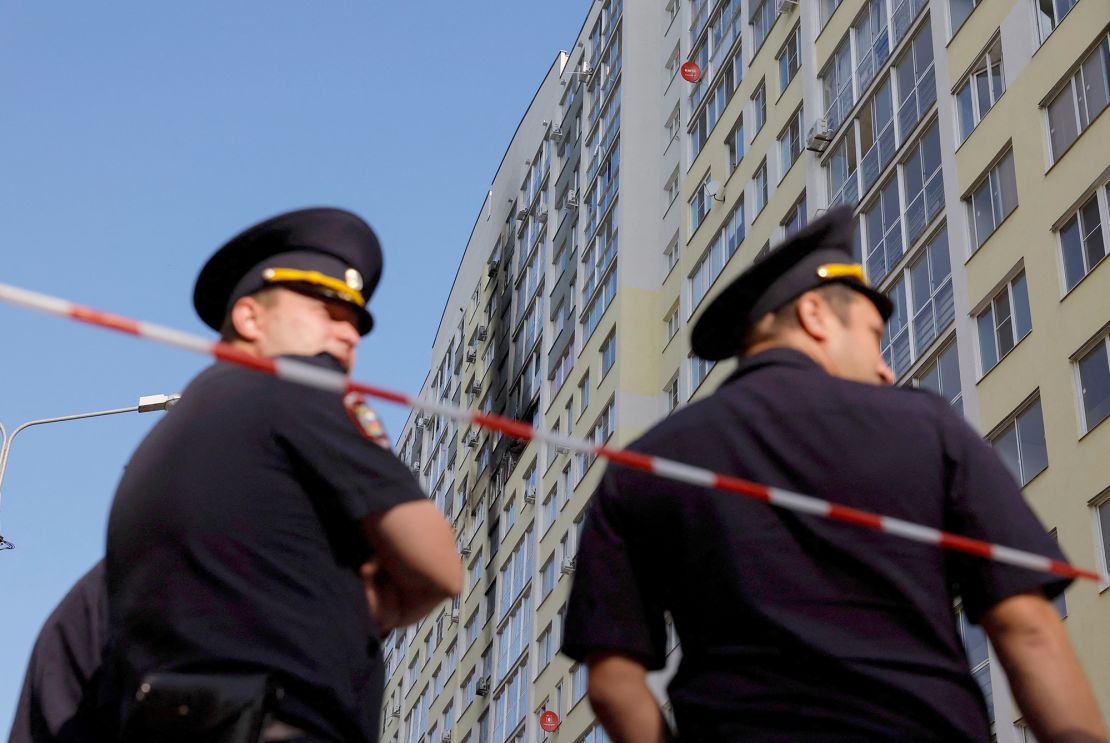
(326, 379)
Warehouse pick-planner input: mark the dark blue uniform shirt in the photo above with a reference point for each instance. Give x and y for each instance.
(234, 542)
(794, 627)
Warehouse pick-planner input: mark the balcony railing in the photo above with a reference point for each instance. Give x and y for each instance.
(933, 317)
(926, 205)
(917, 102)
(878, 156)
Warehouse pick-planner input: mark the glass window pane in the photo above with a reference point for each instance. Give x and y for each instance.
(1007, 185)
(1093, 245)
(1104, 525)
(961, 9)
(949, 365)
(982, 214)
(1006, 446)
(1072, 253)
(1034, 453)
(1023, 322)
(1094, 382)
(975, 643)
(1096, 85)
(988, 353)
(965, 110)
(1062, 128)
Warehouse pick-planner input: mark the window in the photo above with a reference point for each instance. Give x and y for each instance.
(547, 577)
(842, 166)
(1050, 13)
(942, 376)
(877, 141)
(872, 41)
(788, 58)
(923, 185)
(699, 370)
(993, 200)
(883, 223)
(790, 143)
(978, 657)
(700, 204)
(922, 299)
(671, 189)
(1080, 100)
(736, 144)
(671, 254)
(983, 86)
(475, 571)
(763, 18)
(671, 68)
(827, 8)
(673, 128)
(1093, 372)
(917, 90)
(545, 648)
(608, 352)
(584, 393)
(1083, 239)
(836, 85)
(671, 391)
(1004, 322)
(724, 245)
(597, 306)
(602, 430)
(796, 218)
(759, 105)
(579, 679)
(759, 186)
(1102, 530)
(1020, 443)
(959, 10)
(671, 321)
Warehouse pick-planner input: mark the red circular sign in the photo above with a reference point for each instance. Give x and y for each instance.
(690, 72)
(549, 721)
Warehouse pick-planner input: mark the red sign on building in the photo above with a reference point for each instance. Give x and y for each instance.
(549, 721)
(690, 72)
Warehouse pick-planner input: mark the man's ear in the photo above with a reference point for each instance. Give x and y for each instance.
(245, 317)
(814, 315)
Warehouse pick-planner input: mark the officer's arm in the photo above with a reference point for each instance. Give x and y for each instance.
(623, 702)
(416, 563)
(1044, 673)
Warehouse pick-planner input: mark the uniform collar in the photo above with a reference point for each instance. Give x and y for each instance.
(779, 356)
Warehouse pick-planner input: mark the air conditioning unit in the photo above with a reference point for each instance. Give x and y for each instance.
(420, 420)
(567, 567)
(464, 550)
(522, 214)
(572, 198)
(455, 614)
(483, 686)
(395, 712)
(446, 737)
(783, 7)
(416, 466)
(475, 387)
(482, 333)
(492, 268)
(471, 440)
(530, 495)
(541, 216)
(819, 137)
(555, 132)
(471, 357)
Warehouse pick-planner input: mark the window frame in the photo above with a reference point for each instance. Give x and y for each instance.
(1089, 349)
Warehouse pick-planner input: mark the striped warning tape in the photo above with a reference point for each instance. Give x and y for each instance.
(326, 379)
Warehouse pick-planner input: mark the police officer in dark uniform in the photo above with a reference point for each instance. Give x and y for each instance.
(794, 628)
(58, 701)
(264, 536)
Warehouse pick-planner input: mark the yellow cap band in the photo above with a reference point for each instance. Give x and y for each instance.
(843, 270)
(289, 275)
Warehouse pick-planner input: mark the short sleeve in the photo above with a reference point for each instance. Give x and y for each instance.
(335, 454)
(612, 605)
(984, 502)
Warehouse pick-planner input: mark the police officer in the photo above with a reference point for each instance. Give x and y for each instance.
(264, 536)
(58, 701)
(794, 628)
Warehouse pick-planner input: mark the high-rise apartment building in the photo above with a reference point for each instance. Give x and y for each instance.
(966, 134)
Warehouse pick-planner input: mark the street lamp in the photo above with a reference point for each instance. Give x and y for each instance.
(147, 404)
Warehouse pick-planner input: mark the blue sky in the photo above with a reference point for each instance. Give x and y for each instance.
(138, 136)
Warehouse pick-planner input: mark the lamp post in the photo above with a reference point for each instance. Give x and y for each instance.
(147, 404)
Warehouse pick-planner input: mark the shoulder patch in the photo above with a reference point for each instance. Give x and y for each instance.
(366, 420)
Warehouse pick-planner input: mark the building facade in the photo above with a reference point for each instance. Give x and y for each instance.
(967, 136)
